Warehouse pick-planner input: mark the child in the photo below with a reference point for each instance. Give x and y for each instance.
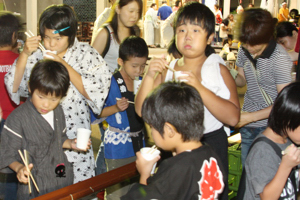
(9, 27)
(38, 126)
(267, 174)
(264, 66)
(124, 136)
(194, 31)
(174, 112)
(89, 76)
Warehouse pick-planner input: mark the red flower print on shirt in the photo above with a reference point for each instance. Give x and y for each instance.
(211, 183)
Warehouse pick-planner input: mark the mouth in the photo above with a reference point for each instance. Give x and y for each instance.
(187, 46)
(44, 111)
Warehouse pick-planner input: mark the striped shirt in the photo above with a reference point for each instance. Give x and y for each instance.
(273, 67)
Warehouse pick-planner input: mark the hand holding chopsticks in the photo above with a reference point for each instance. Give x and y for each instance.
(30, 34)
(25, 161)
(127, 101)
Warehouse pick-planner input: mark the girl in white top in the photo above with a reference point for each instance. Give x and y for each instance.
(121, 24)
(205, 71)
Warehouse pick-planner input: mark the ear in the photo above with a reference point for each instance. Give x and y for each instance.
(120, 62)
(210, 38)
(169, 130)
(118, 9)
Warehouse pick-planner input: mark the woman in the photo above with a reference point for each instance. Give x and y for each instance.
(121, 24)
(149, 24)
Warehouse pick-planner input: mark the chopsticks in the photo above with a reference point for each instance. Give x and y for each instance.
(31, 35)
(286, 151)
(152, 149)
(173, 70)
(127, 101)
(25, 161)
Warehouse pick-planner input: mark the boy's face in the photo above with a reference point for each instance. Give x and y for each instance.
(134, 66)
(44, 103)
(294, 135)
(56, 42)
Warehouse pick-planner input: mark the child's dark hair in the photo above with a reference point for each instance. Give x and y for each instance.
(133, 46)
(9, 25)
(284, 29)
(199, 14)
(57, 17)
(113, 19)
(178, 104)
(256, 26)
(49, 77)
(285, 113)
(172, 49)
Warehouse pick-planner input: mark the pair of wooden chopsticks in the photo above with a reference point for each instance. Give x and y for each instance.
(173, 70)
(152, 149)
(30, 34)
(127, 101)
(25, 161)
(286, 151)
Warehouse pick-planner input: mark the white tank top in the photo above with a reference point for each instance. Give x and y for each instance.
(112, 55)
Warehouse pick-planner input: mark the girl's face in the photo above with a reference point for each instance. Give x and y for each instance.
(191, 40)
(128, 15)
(56, 42)
(288, 42)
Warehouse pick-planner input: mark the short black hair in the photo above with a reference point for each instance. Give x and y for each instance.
(58, 17)
(178, 104)
(9, 24)
(256, 26)
(133, 46)
(49, 77)
(285, 113)
(284, 29)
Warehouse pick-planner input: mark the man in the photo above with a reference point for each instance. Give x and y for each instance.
(163, 13)
(283, 13)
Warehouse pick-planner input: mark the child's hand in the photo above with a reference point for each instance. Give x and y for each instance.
(122, 104)
(191, 79)
(156, 65)
(292, 157)
(74, 142)
(23, 174)
(145, 166)
(31, 45)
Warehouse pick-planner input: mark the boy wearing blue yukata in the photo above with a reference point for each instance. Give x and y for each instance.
(124, 135)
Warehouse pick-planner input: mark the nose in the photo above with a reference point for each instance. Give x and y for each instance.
(45, 104)
(52, 43)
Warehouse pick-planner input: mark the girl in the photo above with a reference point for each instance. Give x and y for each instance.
(269, 176)
(89, 76)
(194, 31)
(121, 24)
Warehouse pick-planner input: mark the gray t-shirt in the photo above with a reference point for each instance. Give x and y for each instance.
(261, 166)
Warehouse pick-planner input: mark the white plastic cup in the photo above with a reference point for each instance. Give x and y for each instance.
(47, 55)
(178, 74)
(136, 85)
(83, 136)
(150, 154)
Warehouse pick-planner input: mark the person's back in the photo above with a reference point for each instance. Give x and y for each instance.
(175, 114)
(164, 11)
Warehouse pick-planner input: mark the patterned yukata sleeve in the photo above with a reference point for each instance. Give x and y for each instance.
(96, 78)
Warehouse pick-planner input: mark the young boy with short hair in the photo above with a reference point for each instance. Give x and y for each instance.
(174, 112)
(38, 126)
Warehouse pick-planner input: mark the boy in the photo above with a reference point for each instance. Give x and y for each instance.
(174, 112)
(124, 136)
(9, 27)
(38, 126)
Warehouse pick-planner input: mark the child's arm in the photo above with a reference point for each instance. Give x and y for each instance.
(274, 188)
(226, 111)
(71, 144)
(21, 170)
(151, 79)
(120, 106)
(144, 167)
(31, 45)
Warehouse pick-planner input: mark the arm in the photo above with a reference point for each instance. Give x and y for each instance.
(152, 78)
(71, 144)
(119, 107)
(274, 188)
(30, 46)
(240, 79)
(21, 170)
(99, 42)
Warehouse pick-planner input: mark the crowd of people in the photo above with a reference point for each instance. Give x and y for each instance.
(48, 95)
